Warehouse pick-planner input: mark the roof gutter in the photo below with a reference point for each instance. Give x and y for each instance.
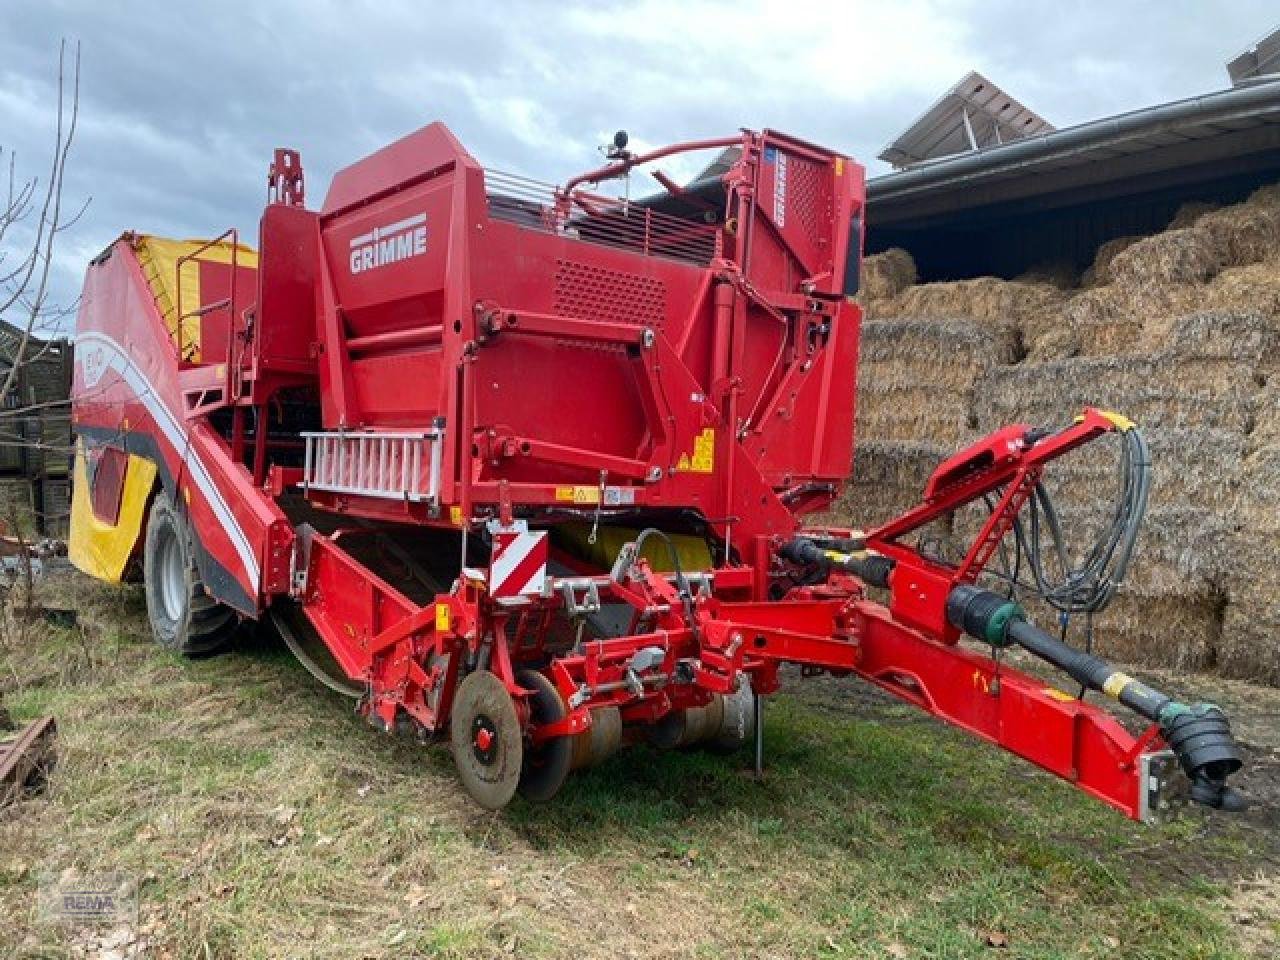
(1254, 100)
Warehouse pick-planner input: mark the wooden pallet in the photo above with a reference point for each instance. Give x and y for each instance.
(25, 757)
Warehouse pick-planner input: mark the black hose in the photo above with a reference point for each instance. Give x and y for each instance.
(682, 583)
(1088, 586)
(1199, 735)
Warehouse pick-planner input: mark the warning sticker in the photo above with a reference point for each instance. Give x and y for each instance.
(703, 459)
(578, 494)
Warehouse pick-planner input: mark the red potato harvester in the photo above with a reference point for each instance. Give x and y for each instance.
(533, 463)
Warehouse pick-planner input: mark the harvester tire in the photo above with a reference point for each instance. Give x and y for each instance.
(184, 618)
(546, 765)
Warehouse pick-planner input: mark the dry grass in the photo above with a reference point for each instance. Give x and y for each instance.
(264, 820)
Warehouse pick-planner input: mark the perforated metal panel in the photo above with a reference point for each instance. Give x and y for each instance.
(588, 292)
(809, 196)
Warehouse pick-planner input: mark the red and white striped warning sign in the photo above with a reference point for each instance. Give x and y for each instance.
(518, 563)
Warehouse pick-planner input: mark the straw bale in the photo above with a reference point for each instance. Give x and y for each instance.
(1055, 343)
(998, 305)
(1103, 321)
(1245, 336)
(1058, 273)
(885, 275)
(1244, 233)
(1250, 645)
(1100, 272)
(1258, 503)
(1251, 632)
(912, 413)
(947, 354)
(1191, 466)
(1190, 212)
(1158, 389)
(1163, 630)
(1254, 288)
(1186, 255)
(888, 478)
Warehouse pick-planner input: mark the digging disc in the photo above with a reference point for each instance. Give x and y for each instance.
(487, 745)
(546, 765)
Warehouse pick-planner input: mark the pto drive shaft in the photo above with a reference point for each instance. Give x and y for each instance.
(1199, 735)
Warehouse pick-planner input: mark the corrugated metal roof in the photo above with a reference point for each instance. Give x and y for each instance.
(973, 114)
(1227, 130)
(1263, 58)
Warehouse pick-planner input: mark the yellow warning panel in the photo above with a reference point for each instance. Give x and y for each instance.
(443, 623)
(99, 548)
(159, 256)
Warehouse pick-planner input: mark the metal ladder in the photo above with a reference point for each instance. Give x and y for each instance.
(391, 465)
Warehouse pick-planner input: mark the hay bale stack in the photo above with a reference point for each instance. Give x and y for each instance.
(1186, 255)
(1251, 627)
(1190, 212)
(1100, 272)
(1159, 389)
(905, 394)
(1009, 309)
(1190, 465)
(1181, 332)
(1177, 630)
(888, 478)
(885, 275)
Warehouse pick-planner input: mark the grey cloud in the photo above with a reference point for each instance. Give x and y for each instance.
(182, 104)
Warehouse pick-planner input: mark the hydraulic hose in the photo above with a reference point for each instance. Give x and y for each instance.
(870, 568)
(1199, 735)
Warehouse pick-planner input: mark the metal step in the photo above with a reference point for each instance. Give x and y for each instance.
(391, 465)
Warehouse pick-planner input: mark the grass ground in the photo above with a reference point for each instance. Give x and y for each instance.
(263, 819)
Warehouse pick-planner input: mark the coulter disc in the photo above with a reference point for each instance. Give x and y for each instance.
(487, 743)
(546, 765)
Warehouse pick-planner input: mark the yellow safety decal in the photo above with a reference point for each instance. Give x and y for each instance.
(99, 548)
(443, 622)
(839, 166)
(704, 454)
(1116, 683)
(578, 494)
(1055, 694)
(1118, 420)
(455, 516)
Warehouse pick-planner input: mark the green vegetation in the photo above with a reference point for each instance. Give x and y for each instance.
(266, 820)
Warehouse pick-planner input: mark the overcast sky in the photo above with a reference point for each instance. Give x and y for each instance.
(181, 107)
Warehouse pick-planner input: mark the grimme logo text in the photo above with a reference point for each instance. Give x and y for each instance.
(389, 244)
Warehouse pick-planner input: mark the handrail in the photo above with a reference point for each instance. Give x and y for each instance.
(226, 303)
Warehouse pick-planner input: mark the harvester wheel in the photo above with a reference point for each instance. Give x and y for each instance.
(184, 618)
(546, 765)
(488, 747)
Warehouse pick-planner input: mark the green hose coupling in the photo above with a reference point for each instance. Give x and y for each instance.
(983, 614)
(997, 632)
